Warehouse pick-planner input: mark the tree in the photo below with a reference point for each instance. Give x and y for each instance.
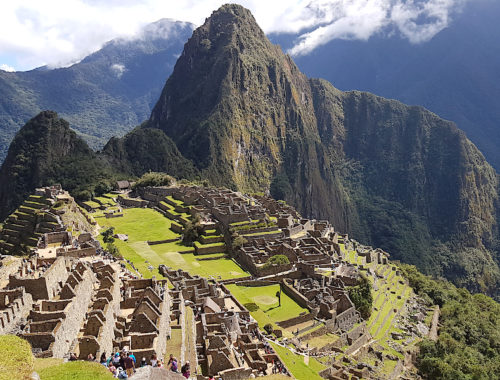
(361, 296)
(107, 235)
(192, 231)
(277, 260)
(238, 241)
(113, 250)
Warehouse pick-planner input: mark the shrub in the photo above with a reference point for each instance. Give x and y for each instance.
(238, 241)
(361, 296)
(154, 179)
(251, 307)
(113, 250)
(192, 231)
(268, 328)
(277, 260)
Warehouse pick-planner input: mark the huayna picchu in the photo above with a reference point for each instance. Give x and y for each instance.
(234, 230)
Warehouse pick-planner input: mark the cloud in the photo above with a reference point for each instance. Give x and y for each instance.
(416, 20)
(5, 67)
(118, 69)
(59, 32)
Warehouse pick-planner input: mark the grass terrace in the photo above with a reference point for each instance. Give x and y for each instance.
(265, 298)
(105, 201)
(92, 204)
(296, 364)
(143, 224)
(223, 267)
(176, 201)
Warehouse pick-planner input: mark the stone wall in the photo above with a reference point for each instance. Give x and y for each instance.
(45, 287)
(75, 315)
(15, 306)
(297, 320)
(291, 292)
(57, 237)
(76, 252)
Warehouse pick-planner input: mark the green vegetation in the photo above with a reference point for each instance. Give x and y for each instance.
(280, 187)
(295, 363)
(361, 296)
(468, 346)
(154, 179)
(16, 360)
(107, 235)
(223, 268)
(265, 298)
(78, 370)
(140, 224)
(192, 231)
(237, 241)
(277, 260)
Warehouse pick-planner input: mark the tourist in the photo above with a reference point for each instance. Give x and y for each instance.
(154, 361)
(112, 369)
(103, 359)
(116, 360)
(90, 358)
(122, 360)
(185, 370)
(211, 377)
(174, 367)
(72, 357)
(143, 362)
(121, 374)
(129, 365)
(133, 357)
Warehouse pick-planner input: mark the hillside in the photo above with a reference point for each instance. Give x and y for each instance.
(455, 74)
(238, 112)
(106, 94)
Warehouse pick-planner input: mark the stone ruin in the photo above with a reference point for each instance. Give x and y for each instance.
(228, 341)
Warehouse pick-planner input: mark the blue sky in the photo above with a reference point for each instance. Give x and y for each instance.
(60, 32)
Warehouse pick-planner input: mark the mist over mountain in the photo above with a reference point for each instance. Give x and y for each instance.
(455, 74)
(106, 94)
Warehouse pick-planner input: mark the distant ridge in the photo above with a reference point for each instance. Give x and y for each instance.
(106, 94)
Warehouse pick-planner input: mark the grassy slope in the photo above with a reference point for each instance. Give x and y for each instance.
(79, 370)
(295, 363)
(16, 360)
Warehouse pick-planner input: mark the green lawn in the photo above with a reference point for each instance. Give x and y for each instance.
(265, 298)
(295, 363)
(141, 224)
(224, 267)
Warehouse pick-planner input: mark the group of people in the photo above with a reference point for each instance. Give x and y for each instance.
(173, 366)
(123, 364)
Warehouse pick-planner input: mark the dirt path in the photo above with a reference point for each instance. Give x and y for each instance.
(433, 331)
